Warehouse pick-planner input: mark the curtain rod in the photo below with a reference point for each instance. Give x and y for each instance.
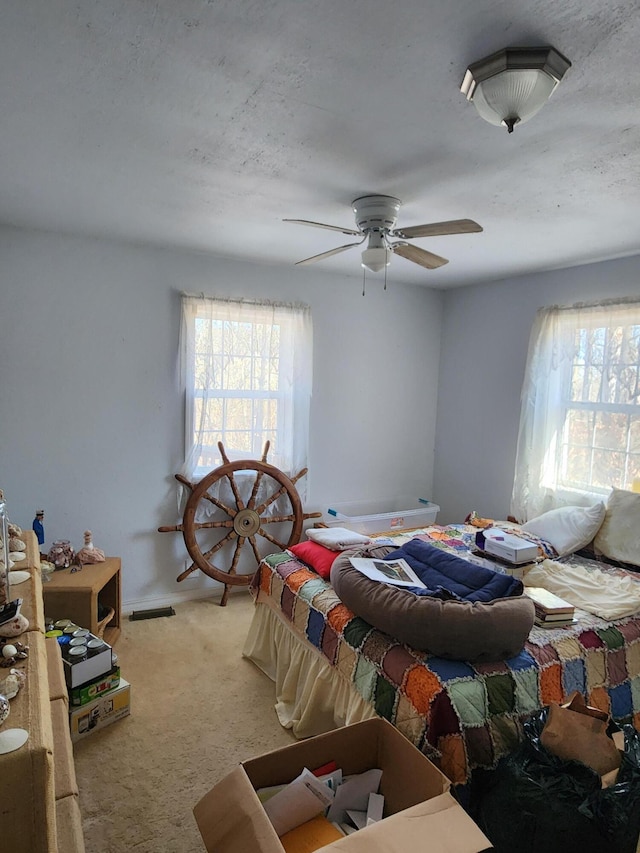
(602, 303)
(242, 301)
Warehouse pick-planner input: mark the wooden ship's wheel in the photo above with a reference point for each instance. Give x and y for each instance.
(245, 521)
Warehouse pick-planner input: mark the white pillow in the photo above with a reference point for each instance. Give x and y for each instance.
(568, 528)
(619, 536)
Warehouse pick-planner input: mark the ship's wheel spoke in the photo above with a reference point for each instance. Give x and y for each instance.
(234, 488)
(256, 553)
(276, 519)
(262, 532)
(174, 528)
(231, 535)
(206, 497)
(209, 525)
(236, 555)
(254, 491)
(274, 497)
(233, 567)
(187, 572)
(217, 502)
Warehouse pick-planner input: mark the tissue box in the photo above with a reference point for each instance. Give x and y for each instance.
(509, 547)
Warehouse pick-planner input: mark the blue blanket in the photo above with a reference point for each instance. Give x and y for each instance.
(448, 576)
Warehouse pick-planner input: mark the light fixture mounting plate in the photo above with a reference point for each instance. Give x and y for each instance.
(376, 212)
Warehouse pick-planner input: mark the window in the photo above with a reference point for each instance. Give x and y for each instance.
(580, 420)
(247, 374)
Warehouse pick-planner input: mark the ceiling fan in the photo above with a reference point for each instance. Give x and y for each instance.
(376, 217)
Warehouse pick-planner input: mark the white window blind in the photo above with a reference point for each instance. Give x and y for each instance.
(247, 377)
(580, 418)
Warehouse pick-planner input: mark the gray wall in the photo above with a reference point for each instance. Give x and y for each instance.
(91, 421)
(485, 337)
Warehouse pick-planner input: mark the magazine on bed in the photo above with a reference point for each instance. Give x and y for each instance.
(395, 572)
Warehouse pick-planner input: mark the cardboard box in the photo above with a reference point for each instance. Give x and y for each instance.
(418, 804)
(101, 712)
(89, 691)
(78, 669)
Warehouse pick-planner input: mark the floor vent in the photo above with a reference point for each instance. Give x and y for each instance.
(152, 614)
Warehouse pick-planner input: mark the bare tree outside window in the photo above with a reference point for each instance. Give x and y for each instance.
(580, 420)
(247, 377)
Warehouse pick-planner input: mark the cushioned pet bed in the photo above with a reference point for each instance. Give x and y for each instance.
(331, 667)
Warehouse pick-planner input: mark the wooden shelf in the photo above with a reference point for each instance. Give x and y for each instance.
(76, 596)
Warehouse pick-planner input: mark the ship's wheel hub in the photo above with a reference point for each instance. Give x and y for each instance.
(246, 522)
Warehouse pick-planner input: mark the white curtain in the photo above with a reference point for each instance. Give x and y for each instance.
(281, 348)
(552, 349)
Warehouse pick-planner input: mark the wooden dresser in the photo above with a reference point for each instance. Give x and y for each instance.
(39, 810)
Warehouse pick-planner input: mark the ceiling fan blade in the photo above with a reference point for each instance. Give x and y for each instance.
(322, 225)
(437, 229)
(419, 256)
(328, 254)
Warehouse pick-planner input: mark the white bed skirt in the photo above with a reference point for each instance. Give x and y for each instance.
(311, 696)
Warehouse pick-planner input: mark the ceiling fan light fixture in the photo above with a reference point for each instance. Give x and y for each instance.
(511, 86)
(376, 259)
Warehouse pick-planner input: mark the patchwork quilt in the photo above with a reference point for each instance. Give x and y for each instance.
(461, 715)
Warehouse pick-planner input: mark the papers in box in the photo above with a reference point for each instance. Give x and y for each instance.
(418, 806)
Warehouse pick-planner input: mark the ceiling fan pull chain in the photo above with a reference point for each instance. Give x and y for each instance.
(385, 278)
(364, 277)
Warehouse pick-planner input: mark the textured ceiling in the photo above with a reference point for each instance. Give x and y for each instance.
(203, 123)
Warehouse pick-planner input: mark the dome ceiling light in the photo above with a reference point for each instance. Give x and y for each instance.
(512, 85)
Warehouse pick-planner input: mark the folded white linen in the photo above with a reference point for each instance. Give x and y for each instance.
(337, 538)
(606, 595)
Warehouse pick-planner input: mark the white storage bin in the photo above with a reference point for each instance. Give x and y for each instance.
(381, 515)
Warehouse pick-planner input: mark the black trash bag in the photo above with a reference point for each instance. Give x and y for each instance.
(535, 802)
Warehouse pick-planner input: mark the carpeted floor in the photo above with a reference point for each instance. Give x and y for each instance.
(197, 709)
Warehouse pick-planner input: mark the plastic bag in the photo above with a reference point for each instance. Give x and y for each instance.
(535, 802)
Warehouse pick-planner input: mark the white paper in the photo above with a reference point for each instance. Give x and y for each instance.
(372, 815)
(375, 808)
(332, 780)
(358, 819)
(300, 801)
(354, 794)
(265, 794)
(394, 572)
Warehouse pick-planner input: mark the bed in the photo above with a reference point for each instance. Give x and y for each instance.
(332, 668)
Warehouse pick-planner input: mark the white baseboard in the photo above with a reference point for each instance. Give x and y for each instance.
(153, 602)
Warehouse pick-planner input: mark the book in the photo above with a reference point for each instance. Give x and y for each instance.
(554, 623)
(554, 617)
(547, 602)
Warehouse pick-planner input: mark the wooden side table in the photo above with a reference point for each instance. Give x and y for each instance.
(75, 596)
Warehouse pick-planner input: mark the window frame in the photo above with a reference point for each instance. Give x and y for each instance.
(289, 445)
(563, 340)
